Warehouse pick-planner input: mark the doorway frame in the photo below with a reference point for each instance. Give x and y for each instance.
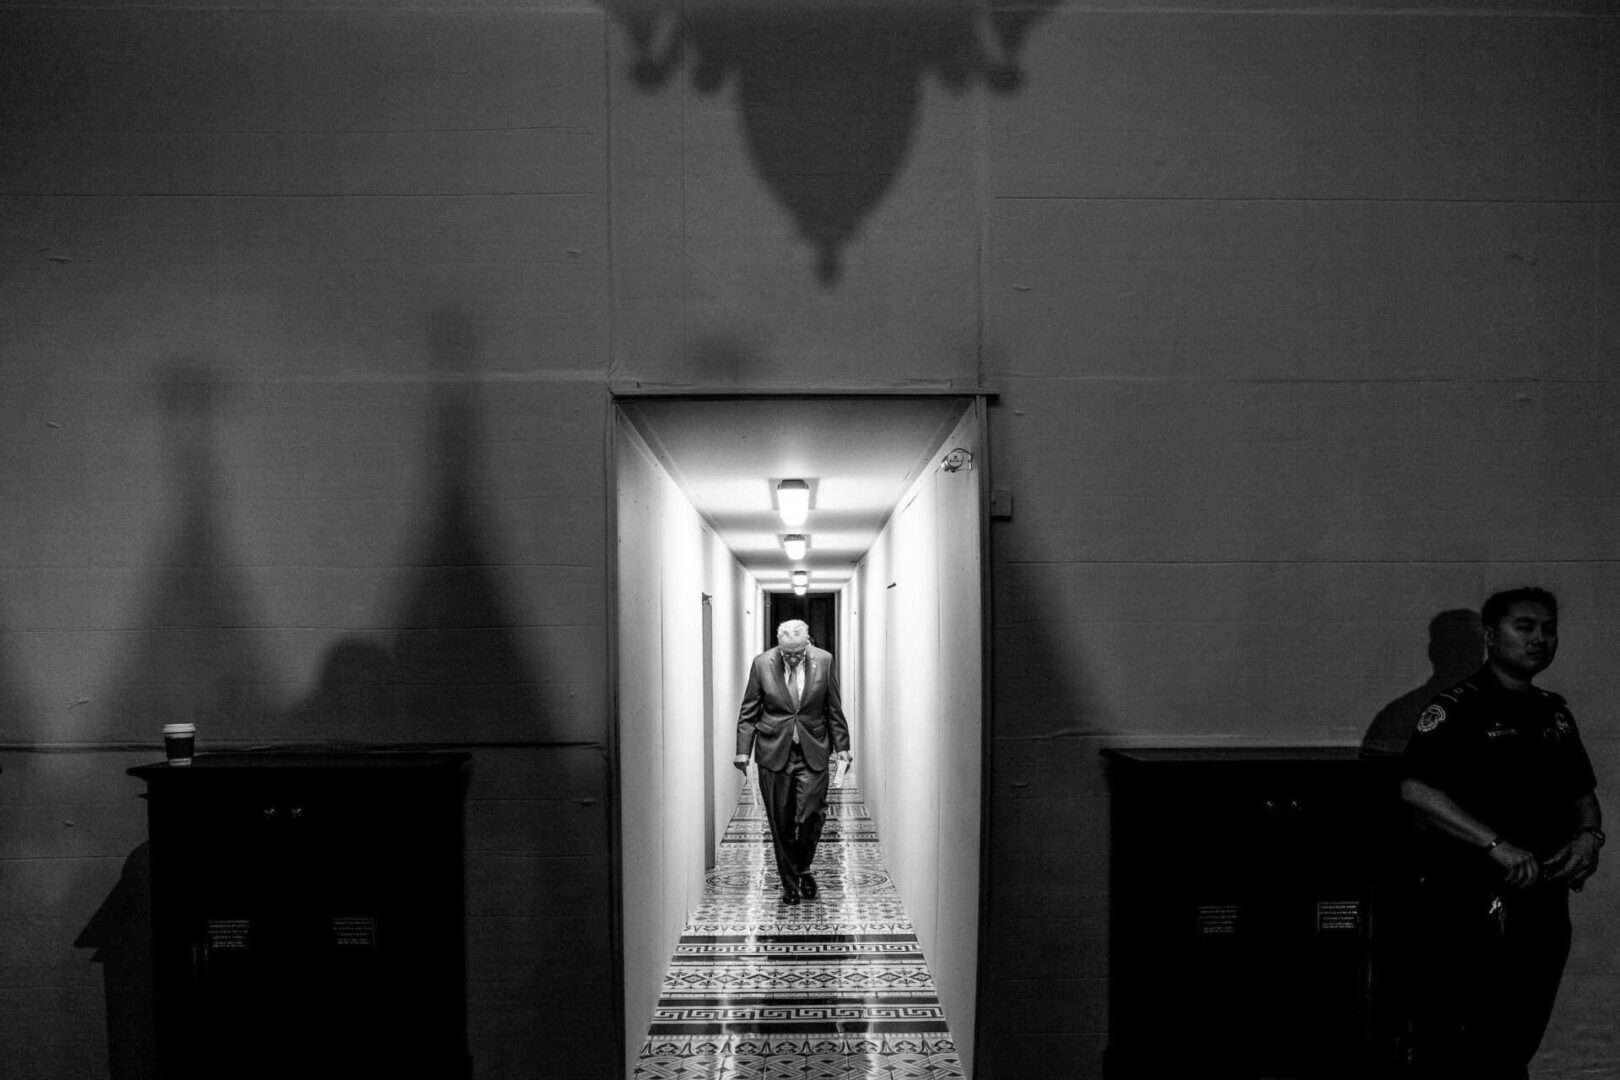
(976, 399)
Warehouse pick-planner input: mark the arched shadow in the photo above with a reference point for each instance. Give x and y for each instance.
(451, 669)
(198, 658)
(458, 661)
(828, 93)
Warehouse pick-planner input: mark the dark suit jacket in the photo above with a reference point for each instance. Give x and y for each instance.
(767, 719)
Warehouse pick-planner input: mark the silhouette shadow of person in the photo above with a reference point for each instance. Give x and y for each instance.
(1456, 650)
(120, 932)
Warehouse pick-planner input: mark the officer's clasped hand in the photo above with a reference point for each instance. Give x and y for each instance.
(1520, 868)
(1573, 863)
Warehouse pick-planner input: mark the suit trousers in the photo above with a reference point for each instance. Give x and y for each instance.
(795, 805)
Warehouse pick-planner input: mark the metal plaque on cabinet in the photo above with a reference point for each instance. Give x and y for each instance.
(1338, 916)
(1217, 919)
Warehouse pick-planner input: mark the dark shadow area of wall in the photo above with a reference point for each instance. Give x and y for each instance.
(828, 95)
(452, 667)
(724, 360)
(1049, 851)
(460, 666)
(197, 657)
(448, 666)
(20, 717)
(120, 932)
(1456, 650)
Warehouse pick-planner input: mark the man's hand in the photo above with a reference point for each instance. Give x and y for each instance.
(740, 763)
(1573, 863)
(843, 755)
(1519, 867)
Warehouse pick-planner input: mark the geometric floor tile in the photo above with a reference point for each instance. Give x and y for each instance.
(835, 988)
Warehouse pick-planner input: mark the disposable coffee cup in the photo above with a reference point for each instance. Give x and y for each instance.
(179, 741)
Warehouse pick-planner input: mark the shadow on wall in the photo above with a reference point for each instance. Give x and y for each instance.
(1049, 850)
(453, 672)
(827, 93)
(19, 716)
(1456, 650)
(198, 658)
(194, 659)
(459, 659)
(723, 360)
(120, 933)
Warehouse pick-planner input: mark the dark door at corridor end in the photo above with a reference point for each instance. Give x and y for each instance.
(818, 610)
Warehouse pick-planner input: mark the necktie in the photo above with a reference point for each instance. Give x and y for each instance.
(795, 673)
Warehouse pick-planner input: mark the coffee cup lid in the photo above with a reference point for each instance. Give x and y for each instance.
(179, 729)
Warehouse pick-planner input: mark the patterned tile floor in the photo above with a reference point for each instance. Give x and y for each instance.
(835, 987)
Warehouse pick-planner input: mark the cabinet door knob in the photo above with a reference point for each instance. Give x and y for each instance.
(297, 812)
(269, 813)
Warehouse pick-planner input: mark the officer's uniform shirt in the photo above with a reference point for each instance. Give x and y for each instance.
(1511, 758)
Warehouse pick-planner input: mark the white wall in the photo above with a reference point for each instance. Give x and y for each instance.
(918, 735)
(734, 606)
(667, 560)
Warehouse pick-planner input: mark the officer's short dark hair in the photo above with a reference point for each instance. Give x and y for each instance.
(1497, 607)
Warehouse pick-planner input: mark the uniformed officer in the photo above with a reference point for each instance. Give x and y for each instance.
(1505, 792)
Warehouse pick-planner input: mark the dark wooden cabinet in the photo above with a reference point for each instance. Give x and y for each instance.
(308, 915)
(1243, 907)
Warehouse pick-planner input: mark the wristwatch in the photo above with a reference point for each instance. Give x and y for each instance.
(1595, 831)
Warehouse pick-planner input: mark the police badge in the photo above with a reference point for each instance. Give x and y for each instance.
(1430, 719)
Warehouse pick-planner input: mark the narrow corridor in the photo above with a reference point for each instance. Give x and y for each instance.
(835, 987)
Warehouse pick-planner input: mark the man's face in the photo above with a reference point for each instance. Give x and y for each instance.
(1525, 640)
(793, 646)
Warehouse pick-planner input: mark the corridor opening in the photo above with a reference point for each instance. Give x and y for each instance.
(897, 534)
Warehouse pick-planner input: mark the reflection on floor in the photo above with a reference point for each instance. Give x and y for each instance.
(835, 987)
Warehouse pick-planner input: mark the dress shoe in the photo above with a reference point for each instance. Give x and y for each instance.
(807, 886)
(790, 895)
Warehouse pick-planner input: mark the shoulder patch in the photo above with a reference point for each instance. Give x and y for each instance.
(1431, 718)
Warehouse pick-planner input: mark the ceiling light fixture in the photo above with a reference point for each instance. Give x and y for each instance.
(793, 502)
(801, 578)
(800, 590)
(795, 544)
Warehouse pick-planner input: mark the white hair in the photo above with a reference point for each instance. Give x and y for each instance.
(793, 628)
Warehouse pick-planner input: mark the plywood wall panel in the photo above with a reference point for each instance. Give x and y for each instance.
(526, 161)
(1289, 290)
(223, 70)
(719, 223)
(1298, 105)
(1471, 474)
(1606, 284)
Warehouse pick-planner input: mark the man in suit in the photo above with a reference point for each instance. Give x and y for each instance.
(792, 722)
